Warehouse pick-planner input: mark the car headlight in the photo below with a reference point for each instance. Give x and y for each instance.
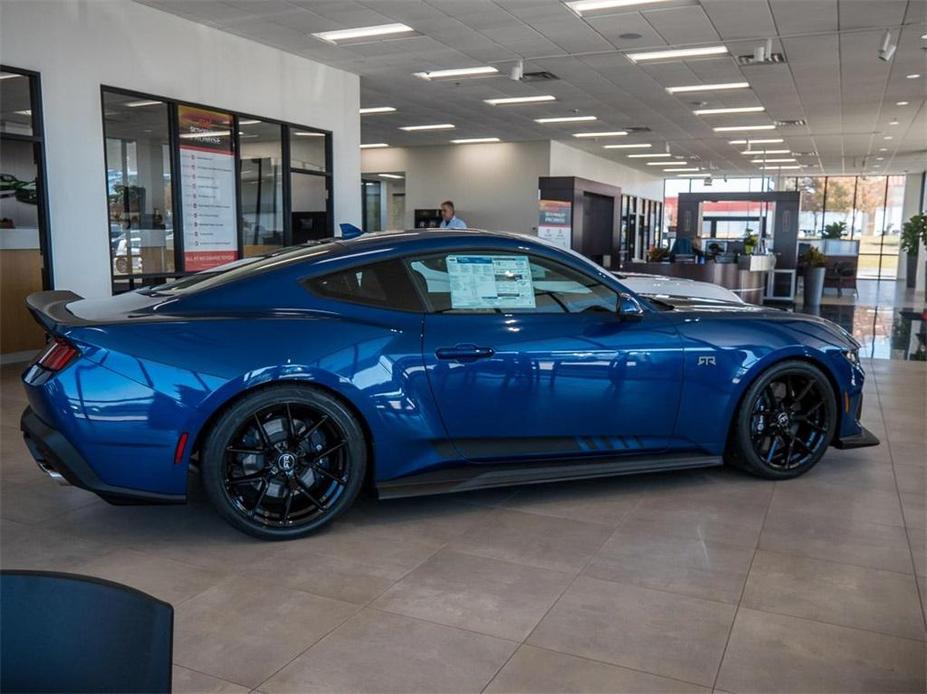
(852, 356)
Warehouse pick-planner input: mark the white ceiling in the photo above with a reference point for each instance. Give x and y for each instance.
(832, 78)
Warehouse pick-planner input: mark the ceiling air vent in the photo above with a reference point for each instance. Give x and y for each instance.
(540, 76)
(762, 55)
(791, 123)
(636, 129)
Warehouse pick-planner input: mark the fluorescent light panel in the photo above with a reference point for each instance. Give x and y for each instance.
(143, 102)
(719, 111)
(736, 128)
(394, 176)
(248, 121)
(751, 141)
(436, 126)
(767, 151)
(374, 145)
(772, 161)
(506, 101)
(708, 87)
(582, 6)
(649, 156)
(376, 109)
(678, 53)
(566, 119)
(780, 168)
(634, 146)
(304, 133)
(475, 140)
(679, 170)
(667, 163)
(380, 30)
(457, 72)
(610, 133)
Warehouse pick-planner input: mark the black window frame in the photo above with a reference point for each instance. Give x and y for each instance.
(135, 281)
(407, 259)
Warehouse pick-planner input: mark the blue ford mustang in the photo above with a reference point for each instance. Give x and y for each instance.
(420, 362)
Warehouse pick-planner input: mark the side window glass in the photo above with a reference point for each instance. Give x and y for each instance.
(492, 282)
(381, 285)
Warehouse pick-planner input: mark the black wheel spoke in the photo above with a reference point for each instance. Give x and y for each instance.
(805, 392)
(311, 430)
(257, 504)
(325, 473)
(245, 451)
(262, 432)
(288, 504)
(290, 426)
(772, 448)
(307, 492)
(331, 449)
(250, 478)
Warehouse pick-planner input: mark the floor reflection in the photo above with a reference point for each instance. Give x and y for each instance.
(889, 321)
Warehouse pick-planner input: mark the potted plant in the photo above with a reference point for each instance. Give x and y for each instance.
(913, 233)
(815, 264)
(749, 241)
(657, 254)
(834, 230)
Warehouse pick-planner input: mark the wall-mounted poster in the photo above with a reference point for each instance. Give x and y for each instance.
(555, 222)
(207, 184)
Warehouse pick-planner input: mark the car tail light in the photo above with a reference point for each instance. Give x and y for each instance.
(59, 354)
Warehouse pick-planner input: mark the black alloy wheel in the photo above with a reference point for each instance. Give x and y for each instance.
(786, 421)
(284, 461)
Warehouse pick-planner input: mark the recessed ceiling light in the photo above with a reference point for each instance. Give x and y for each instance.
(680, 170)
(635, 146)
(248, 121)
(520, 100)
(666, 163)
(767, 151)
(751, 141)
(880, 158)
(609, 133)
(566, 119)
(435, 126)
(718, 111)
(394, 176)
(883, 149)
(913, 75)
(735, 128)
(708, 87)
(475, 140)
(924, 36)
(780, 168)
(888, 137)
(649, 156)
(583, 6)
(303, 133)
(482, 71)
(374, 145)
(143, 102)
(677, 53)
(694, 175)
(376, 109)
(893, 122)
(370, 32)
(772, 161)
(902, 103)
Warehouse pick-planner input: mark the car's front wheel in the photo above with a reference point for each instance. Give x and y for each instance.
(283, 461)
(785, 423)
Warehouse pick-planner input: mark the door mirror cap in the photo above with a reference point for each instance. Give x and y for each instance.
(629, 308)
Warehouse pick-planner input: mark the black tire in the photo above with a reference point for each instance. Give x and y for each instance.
(785, 422)
(284, 461)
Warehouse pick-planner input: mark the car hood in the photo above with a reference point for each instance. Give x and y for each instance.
(730, 310)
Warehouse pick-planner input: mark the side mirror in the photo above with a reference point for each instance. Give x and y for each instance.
(629, 308)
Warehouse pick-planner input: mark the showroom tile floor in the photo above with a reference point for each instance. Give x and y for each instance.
(683, 582)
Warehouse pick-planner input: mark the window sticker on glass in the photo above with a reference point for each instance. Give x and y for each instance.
(490, 281)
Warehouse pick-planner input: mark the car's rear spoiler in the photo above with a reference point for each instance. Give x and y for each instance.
(50, 309)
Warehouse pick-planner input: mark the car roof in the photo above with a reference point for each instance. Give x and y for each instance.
(388, 238)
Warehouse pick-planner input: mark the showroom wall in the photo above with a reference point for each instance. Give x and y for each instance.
(495, 186)
(131, 46)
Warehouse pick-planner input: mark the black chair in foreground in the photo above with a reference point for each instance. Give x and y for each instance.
(67, 633)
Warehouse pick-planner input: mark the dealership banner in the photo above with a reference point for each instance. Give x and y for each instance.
(555, 222)
(207, 184)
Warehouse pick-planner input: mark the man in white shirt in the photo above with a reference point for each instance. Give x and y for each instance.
(448, 219)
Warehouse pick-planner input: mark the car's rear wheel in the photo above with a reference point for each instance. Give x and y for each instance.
(284, 461)
(785, 423)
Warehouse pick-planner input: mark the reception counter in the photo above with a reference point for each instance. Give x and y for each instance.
(746, 277)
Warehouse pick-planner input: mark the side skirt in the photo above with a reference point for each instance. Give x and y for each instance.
(468, 477)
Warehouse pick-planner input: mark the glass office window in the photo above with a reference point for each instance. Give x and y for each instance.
(15, 103)
(811, 210)
(139, 190)
(309, 207)
(261, 172)
(307, 150)
(839, 201)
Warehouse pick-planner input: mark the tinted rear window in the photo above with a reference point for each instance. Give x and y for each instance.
(381, 285)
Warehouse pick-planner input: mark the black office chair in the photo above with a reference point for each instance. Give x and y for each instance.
(67, 633)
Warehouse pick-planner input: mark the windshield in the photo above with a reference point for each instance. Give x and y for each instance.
(242, 269)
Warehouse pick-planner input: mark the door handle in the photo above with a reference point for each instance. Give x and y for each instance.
(464, 352)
